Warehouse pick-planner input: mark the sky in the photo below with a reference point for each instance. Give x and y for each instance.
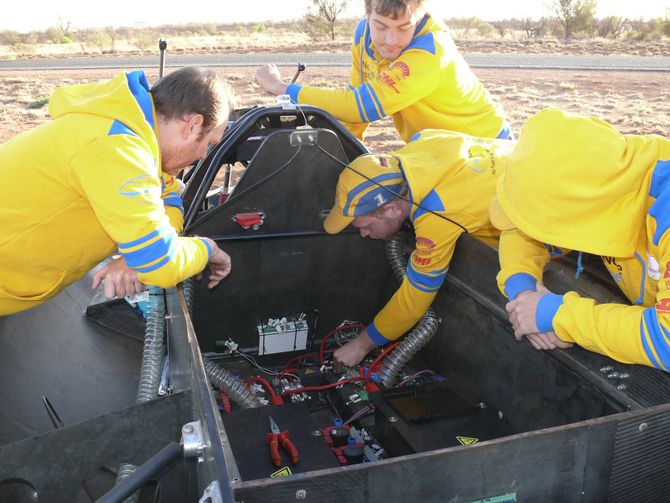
(32, 15)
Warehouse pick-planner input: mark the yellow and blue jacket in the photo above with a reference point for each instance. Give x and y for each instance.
(429, 86)
(84, 185)
(448, 175)
(576, 183)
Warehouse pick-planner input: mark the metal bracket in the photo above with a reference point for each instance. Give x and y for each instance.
(193, 440)
(303, 137)
(211, 494)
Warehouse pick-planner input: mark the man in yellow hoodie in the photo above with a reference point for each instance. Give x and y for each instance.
(442, 182)
(576, 183)
(98, 179)
(404, 64)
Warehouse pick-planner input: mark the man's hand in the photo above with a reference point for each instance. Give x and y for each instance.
(351, 354)
(522, 312)
(119, 279)
(219, 264)
(269, 78)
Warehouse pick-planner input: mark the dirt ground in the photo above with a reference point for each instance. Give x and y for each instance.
(637, 103)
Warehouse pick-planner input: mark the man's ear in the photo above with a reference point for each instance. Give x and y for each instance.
(193, 125)
(392, 209)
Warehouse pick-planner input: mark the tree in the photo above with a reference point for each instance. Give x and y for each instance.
(325, 15)
(574, 15)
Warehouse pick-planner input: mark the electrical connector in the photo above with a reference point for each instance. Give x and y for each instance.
(303, 137)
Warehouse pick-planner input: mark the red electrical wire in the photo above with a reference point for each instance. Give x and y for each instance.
(325, 386)
(334, 331)
(376, 361)
(276, 399)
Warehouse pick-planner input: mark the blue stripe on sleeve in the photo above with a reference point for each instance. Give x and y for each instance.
(293, 90)
(373, 93)
(361, 113)
(151, 252)
(209, 248)
(424, 282)
(659, 339)
(546, 310)
(518, 283)
(175, 201)
(376, 337)
(368, 103)
(144, 239)
(660, 178)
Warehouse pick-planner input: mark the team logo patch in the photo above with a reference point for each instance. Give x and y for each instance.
(666, 274)
(663, 306)
(422, 253)
(480, 159)
(138, 186)
(397, 72)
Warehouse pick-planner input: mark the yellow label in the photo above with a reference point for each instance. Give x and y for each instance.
(282, 472)
(467, 440)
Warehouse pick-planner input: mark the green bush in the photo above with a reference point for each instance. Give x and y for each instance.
(65, 40)
(39, 102)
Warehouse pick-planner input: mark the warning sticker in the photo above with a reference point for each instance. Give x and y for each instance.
(282, 472)
(467, 440)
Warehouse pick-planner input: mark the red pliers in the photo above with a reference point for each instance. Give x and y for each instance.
(274, 438)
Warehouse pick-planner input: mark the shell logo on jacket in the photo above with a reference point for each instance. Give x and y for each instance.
(428, 86)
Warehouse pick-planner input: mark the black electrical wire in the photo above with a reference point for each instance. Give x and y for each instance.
(238, 195)
(395, 194)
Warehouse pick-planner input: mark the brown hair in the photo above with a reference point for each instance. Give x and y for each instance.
(393, 8)
(192, 90)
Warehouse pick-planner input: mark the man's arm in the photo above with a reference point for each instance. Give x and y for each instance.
(118, 177)
(410, 78)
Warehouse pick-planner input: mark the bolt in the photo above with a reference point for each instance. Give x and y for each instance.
(393, 419)
(643, 427)
(316, 433)
(188, 428)
(609, 368)
(624, 375)
(235, 480)
(300, 494)
(613, 375)
(621, 387)
(500, 414)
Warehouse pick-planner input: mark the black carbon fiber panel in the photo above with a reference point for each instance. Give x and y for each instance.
(640, 468)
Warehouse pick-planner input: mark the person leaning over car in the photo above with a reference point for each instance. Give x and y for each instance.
(442, 183)
(576, 183)
(404, 64)
(99, 178)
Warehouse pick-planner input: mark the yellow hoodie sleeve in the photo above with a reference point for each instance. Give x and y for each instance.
(411, 77)
(426, 270)
(358, 129)
(629, 334)
(522, 262)
(118, 177)
(174, 206)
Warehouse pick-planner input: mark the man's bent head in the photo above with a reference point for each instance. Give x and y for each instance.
(364, 188)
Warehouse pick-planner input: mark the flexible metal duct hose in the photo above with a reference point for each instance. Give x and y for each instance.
(225, 381)
(419, 336)
(152, 365)
(218, 377)
(154, 347)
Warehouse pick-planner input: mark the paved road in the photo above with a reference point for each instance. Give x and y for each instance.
(510, 61)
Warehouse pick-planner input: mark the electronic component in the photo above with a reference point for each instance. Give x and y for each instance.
(282, 335)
